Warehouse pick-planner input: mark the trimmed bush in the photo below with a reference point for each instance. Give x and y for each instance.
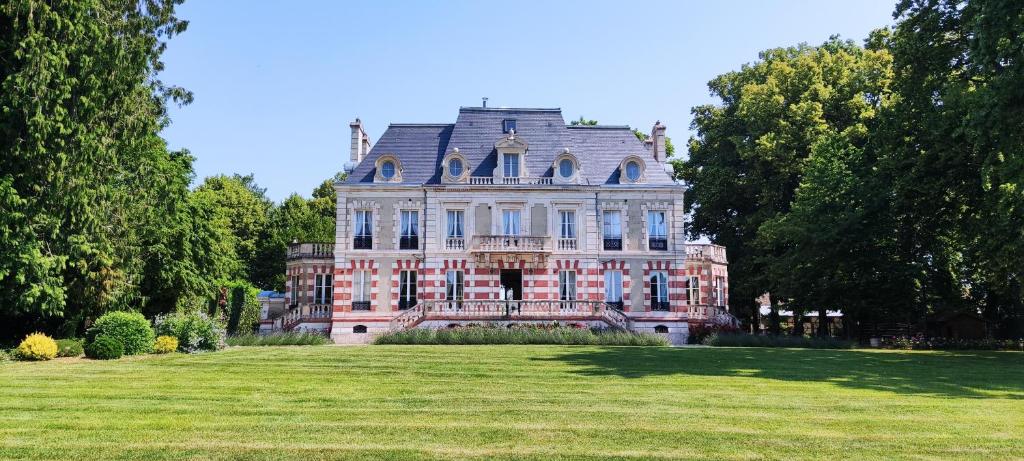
(748, 340)
(36, 346)
(104, 348)
(279, 339)
(520, 335)
(951, 344)
(130, 328)
(196, 332)
(165, 345)
(69, 347)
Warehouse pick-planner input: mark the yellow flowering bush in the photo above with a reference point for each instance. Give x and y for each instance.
(165, 345)
(37, 346)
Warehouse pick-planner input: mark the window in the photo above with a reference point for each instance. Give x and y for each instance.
(454, 286)
(659, 291)
(359, 329)
(692, 286)
(719, 290)
(508, 125)
(613, 287)
(565, 168)
(456, 224)
(611, 226)
(633, 171)
(295, 290)
(322, 289)
(409, 232)
(660, 329)
(361, 290)
(406, 289)
(510, 222)
(568, 227)
(657, 232)
(387, 170)
(567, 285)
(511, 165)
(455, 167)
(363, 239)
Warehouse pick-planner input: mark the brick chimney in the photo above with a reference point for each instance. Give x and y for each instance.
(360, 141)
(658, 142)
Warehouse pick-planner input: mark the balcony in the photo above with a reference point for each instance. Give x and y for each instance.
(510, 244)
(657, 243)
(659, 306)
(311, 250)
(360, 305)
(495, 310)
(409, 242)
(315, 313)
(455, 244)
(714, 253)
(613, 244)
(362, 242)
(567, 244)
(510, 181)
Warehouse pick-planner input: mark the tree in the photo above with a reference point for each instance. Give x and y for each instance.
(243, 207)
(749, 154)
(583, 122)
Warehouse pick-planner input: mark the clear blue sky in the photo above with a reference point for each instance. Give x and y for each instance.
(276, 83)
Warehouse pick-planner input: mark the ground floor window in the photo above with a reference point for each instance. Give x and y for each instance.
(692, 288)
(322, 289)
(613, 287)
(659, 291)
(454, 288)
(406, 289)
(567, 285)
(719, 290)
(361, 290)
(295, 290)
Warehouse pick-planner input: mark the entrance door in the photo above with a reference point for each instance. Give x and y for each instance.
(512, 278)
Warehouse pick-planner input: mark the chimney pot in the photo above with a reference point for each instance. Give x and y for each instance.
(658, 142)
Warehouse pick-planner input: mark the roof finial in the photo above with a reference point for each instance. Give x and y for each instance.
(485, 101)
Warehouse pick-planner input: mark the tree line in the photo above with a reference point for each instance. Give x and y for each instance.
(96, 213)
(883, 179)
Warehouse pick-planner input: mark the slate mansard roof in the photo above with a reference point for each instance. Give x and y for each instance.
(421, 148)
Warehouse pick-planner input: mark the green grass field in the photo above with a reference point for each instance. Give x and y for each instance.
(517, 402)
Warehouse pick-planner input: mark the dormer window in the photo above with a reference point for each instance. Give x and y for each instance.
(511, 165)
(508, 125)
(565, 168)
(633, 171)
(387, 169)
(455, 167)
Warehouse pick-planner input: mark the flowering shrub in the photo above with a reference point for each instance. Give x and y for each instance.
(165, 345)
(921, 342)
(196, 332)
(36, 346)
(69, 347)
(130, 328)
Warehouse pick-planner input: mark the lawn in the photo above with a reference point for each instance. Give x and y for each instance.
(517, 402)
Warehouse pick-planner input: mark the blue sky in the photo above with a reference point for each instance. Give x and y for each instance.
(276, 83)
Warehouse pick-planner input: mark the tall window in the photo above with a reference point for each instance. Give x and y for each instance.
(657, 231)
(409, 236)
(406, 289)
(567, 285)
(568, 220)
(363, 235)
(456, 224)
(322, 289)
(511, 165)
(613, 287)
(296, 290)
(611, 227)
(692, 286)
(454, 286)
(659, 291)
(719, 291)
(361, 290)
(510, 222)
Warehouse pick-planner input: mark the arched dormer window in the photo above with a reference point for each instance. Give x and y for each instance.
(511, 159)
(455, 168)
(566, 168)
(632, 170)
(388, 169)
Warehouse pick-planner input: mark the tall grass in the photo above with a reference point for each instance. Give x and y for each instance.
(279, 339)
(499, 335)
(748, 340)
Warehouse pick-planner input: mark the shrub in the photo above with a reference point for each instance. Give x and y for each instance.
(195, 331)
(279, 339)
(517, 334)
(748, 340)
(165, 345)
(130, 328)
(104, 347)
(924, 343)
(69, 347)
(698, 332)
(36, 346)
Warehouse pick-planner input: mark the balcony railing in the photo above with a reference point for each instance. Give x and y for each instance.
(510, 244)
(509, 181)
(310, 250)
(362, 242)
(714, 253)
(567, 244)
(657, 243)
(409, 242)
(659, 305)
(510, 310)
(360, 305)
(613, 244)
(455, 244)
(305, 313)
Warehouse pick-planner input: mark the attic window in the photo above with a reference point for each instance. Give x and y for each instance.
(508, 125)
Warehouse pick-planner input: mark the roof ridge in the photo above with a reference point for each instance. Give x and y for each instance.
(599, 127)
(510, 109)
(421, 124)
